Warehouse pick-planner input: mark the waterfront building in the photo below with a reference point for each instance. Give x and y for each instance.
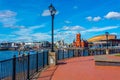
(45, 44)
(100, 41)
(80, 42)
(60, 44)
(8, 45)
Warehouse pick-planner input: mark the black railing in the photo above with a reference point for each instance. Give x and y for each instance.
(23, 67)
(69, 53)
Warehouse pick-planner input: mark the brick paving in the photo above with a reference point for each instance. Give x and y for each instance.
(80, 68)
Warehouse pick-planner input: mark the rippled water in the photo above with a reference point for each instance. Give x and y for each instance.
(9, 54)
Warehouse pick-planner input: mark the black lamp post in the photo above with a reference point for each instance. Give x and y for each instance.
(106, 33)
(52, 12)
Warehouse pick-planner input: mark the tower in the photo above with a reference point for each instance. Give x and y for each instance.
(78, 40)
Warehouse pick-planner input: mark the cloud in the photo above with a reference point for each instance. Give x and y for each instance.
(100, 29)
(89, 18)
(113, 15)
(67, 36)
(41, 36)
(7, 14)
(7, 18)
(97, 18)
(77, 27)
(29, 34)
(67, 22)
(68, 33)
(114, 33)
(47, 13)
(28, 30)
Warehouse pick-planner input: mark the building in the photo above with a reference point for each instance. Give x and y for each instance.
(101, 41)
(80, 42)
(60, 44)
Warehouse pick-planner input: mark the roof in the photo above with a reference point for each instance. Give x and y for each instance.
(101, 37)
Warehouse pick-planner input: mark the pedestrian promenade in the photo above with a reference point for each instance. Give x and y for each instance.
(80, 68)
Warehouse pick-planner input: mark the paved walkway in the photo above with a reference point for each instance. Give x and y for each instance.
(80, 68)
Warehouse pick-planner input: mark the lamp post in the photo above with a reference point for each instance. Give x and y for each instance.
(106, 33)
(52, 13)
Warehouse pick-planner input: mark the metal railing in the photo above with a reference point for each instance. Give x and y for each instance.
(69, 53)
(23, 68)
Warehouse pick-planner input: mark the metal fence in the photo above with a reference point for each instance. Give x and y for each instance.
(68, 53)
(23, 68)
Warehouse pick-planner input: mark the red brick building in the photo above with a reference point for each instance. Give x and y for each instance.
(80, 43)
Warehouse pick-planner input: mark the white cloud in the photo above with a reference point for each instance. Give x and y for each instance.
(68, 22)
(47, 13)
(41, 36)
(7, 18)
(89, 18)
(100, 29)
(113, 15)
(97, 18)
(68, 36)
(114, 33)
(29, 34)
(7, 14)
(77, 27)
(28, 31)
(68, 33)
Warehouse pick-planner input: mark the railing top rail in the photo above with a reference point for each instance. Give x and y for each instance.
(6, 60)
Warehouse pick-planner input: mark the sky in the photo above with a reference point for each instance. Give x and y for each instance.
(30, 20)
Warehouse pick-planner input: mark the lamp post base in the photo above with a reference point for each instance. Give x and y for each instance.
(107, 51)
(52, 59)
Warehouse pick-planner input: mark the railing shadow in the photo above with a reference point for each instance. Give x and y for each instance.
(48, 74)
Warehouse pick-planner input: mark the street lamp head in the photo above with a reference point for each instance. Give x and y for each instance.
(106, 33)
(52, 10)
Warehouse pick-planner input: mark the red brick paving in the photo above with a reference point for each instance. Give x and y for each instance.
(81, 68)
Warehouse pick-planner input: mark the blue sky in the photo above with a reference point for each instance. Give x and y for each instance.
(29, 20)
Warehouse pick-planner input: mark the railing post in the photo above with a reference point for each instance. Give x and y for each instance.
(78, 53)
(73, 53)
(47, 58)
(58, 54)
(14, 68)
(68, 53)
(28, 67)
(63, 53)
(43, 59)
(100, 51)
(37, 62)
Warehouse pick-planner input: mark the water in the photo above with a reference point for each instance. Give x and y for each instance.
(9, 54)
